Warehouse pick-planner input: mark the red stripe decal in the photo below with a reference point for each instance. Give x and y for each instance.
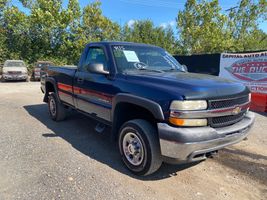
(78, 90)
(64, 87)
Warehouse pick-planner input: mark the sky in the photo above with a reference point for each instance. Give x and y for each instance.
(161, 12)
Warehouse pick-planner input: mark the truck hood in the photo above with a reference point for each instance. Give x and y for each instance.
(15, 69)
(189, 85)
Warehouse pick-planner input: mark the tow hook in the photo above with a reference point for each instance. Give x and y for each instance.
(100, 128)
(211, 154)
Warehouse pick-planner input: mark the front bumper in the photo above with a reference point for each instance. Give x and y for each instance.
(37, 75)
(15, 77)
(192, 144)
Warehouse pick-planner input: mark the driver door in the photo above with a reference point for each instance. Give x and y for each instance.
(93, 91)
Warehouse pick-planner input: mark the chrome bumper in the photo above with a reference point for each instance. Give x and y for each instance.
(192, 144)
(15, 77)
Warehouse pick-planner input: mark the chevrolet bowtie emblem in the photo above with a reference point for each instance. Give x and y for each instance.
(236, 111)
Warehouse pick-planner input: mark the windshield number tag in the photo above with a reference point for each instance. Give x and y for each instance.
(119, 48)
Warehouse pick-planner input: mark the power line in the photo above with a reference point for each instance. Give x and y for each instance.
(230, 9)
(151, 3)
(165, 4)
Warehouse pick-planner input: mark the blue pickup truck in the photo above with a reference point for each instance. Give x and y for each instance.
(158, 112)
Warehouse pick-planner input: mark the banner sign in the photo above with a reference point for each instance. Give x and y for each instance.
(248, 68)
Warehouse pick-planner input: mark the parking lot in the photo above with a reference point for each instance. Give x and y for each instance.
(43, 159)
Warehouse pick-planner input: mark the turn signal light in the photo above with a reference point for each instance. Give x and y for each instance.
(188, 122)
(176, 121)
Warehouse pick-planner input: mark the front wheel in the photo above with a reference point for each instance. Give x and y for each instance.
(57, 110)
(139, 147)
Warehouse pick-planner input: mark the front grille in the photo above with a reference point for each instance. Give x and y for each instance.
(226, 103)
(226, 120)
(14, 72)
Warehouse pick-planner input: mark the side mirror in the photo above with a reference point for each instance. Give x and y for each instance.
(97, 68)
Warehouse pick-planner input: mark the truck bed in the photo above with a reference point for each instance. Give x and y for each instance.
(62, 74)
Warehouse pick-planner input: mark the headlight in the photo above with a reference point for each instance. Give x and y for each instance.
(189, 105)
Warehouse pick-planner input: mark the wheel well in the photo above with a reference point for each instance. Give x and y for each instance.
(49, 87)
(127, 111)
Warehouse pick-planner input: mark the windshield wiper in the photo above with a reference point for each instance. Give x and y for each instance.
(151, 70)
(173, 69)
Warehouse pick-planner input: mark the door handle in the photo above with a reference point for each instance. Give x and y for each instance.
(80, 80)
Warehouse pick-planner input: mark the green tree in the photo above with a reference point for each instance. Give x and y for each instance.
(243, 25)
(52, 31)
(16, 29)
(63, 33)
(204, 28)
(2, 7)
(97, 27)
(71, 40)
(48, 22)
(145, 32)
(3, 48)
(256, 40)
(85, 27)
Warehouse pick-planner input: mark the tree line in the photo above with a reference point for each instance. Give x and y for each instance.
(51, 31)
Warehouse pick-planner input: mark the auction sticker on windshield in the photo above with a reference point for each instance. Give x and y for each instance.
(131, 56)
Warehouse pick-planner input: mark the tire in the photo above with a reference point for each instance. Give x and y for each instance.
(139, 137)
(56, 109)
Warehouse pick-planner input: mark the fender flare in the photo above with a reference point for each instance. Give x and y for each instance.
(148, 104)
(53, 82)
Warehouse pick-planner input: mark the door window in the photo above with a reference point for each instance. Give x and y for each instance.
(95, 55)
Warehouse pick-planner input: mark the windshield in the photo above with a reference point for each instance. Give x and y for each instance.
(14, 64)
(146, 58)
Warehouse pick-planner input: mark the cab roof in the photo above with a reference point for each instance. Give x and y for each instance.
(109, 43)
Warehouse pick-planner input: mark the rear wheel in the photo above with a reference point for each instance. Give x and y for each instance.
(139, 147)
(57, 110)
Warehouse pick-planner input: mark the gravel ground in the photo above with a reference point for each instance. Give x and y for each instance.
(42, 159)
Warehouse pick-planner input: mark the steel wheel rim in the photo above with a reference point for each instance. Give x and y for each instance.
(52, 106)
(133, 148)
